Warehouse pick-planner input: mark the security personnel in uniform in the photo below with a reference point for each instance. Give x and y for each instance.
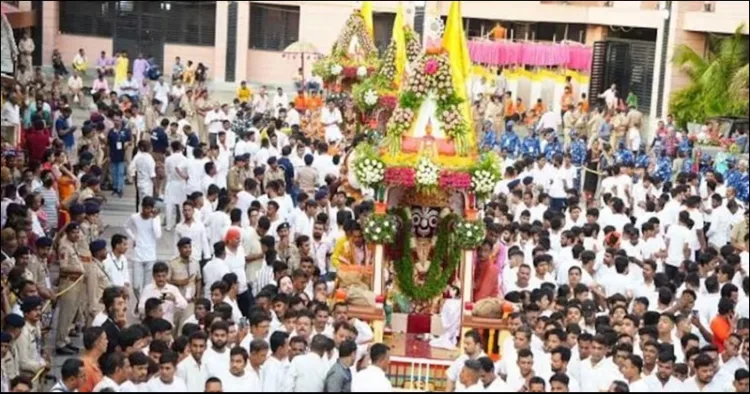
(9, 365)
(29, 343)
(185, 274)
(39, 270)
(96, 280)
(237, 175)
(71, 269)
(89, 234)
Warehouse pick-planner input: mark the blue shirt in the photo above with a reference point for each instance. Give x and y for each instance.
(625, 156)
(116, 140)
(733, 178)
(530, 147)
(578, 152)
(192, 141)
(664, 169)
(553, 148)
(744, 189)
(159, 140)
(642, 161)
(687, 166)
(288, 167)
(62, 125)
(509, 143)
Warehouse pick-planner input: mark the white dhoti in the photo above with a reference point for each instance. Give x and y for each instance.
(450, 317)
(175, 195)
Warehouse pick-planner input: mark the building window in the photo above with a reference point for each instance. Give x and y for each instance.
(382, 23)
(190, 23)
(273, 27)
(87, 18)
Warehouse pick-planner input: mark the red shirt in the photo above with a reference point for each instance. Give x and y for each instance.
(485, 281)
(37, 142)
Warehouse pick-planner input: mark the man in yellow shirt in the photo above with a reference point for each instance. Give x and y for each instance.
(244, 93)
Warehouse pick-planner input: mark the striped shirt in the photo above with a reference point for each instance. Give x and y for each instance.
(263, 278)
(51, 202)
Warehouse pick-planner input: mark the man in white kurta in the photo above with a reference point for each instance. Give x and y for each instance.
(196, 231)
(161, 93)
(373, 378)
(331, 118)
(143, 167)
(192, 371)
(276, 368)
(176, 191)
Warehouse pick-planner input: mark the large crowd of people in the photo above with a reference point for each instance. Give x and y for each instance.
(626, 262)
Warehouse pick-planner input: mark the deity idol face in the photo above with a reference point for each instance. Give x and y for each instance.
(425, 221)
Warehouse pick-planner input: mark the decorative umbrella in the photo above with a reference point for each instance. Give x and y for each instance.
(302, 50)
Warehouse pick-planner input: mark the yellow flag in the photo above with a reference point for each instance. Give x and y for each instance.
(454, 41)
(367, 14)
(400, 39)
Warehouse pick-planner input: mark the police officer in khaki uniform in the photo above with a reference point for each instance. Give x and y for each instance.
(39, 270)
(8, 360)
(185, 274)
(91, 187)
(237, 175)
(29, 343)
(89, 234)
(96, 280)
(71, 269)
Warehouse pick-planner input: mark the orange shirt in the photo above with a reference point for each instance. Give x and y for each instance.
(486, 283)
(93, 375)
(585, 104)
(722, 329)
(539, 109)
(510, 108)
(66, 187)
(314, 102)
(520, 109)
(300, 103)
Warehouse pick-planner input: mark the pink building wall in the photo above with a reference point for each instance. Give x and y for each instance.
(198, 54)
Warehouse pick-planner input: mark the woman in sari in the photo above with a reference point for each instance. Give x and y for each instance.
(121, 68)
(188, 77)
(202, 107)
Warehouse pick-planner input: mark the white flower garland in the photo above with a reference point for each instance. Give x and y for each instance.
(369, 172)
(428, 173)
(361, 71)
(371, 97)
(336, 69)
(483, 182)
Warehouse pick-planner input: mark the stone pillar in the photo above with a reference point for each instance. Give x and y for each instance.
(243, 37)
(220, 41)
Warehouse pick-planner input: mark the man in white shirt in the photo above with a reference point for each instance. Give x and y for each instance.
(145, 230)
(176, 189)
(237, 379)
(166, 381)
(275, 369)
(559, 361)
(114, 367)
(610, 98)
(472, 344)
(116, 264)
(307, 373)
(195, 230)
(470, 377)
(216, 356)
(598, 372)
(704, 380)
(192, 371)
(331, 119)
(721, 223)
(235, 259)
(374, 378)
(214, 123)
(172, 299)
(662, 381)
(143, 167)
(75, 85)
(161, 93)
(280, 101)
(219, 221)
(215, 269)
(550, 120)
(632, 370)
